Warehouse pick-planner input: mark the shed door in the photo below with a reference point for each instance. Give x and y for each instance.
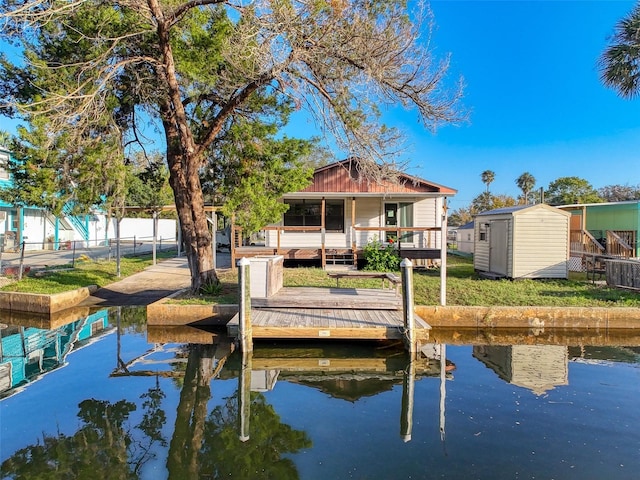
(498, 248)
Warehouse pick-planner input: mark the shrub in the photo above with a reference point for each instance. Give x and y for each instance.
(381, 258)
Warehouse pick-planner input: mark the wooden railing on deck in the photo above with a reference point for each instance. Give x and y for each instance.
(382, 231)
(236, 236)
(582, 242)
(618, 246)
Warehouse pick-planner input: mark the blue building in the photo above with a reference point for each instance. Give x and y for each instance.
(36, 227)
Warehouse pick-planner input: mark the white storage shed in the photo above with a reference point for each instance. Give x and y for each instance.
(527, 241)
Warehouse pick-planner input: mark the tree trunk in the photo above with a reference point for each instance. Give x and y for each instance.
(185, 182)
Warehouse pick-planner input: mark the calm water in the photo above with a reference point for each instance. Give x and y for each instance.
(104, 398)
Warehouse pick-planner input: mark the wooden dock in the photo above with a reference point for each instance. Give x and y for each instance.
(329, 313)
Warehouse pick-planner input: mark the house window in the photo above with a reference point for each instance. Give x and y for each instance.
(484, 228)
(308, 213)
(334, 215)
(468, 237)
(15, 220)
(398, 215)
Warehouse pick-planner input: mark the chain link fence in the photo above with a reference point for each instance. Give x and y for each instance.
(26, 256)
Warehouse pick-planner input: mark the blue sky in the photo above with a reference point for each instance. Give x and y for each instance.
(533, 95)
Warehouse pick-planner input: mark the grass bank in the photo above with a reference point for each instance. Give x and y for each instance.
(85, 272)
(464, 288)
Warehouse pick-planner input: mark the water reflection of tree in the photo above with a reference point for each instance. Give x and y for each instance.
(209, 446)
(224, 455)
(204, 445)
(104, 443)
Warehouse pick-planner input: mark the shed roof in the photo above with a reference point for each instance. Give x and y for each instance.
(515, 210)
(343, 177)
(467, 226)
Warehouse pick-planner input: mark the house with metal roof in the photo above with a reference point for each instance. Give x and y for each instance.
(339, 213)
(611, 228)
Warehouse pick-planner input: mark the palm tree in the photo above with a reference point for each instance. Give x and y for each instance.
(488, 176)
(526, 182)
(620, 63)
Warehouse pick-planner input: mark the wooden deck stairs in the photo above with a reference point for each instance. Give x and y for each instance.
(340, 260)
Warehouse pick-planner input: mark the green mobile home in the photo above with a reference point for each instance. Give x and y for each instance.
(605, 228)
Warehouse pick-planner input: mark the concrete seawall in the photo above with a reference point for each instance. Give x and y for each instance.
(165, 313)
(530, 317)
(38, 303)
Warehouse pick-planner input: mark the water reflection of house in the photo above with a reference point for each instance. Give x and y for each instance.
(263, 380)
(26, 353)
(536, 367)
(350, 377)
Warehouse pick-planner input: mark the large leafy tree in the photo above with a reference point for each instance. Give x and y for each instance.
(487, 201)
(147, 183)
(5, 138)
(619, 193)
(253, 170)
(53, 171)
(200, 66)
(620, 62)
(570, 190)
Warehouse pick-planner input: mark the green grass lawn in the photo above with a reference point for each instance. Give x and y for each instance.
(463, 285)
(465, 288)
(85, 272)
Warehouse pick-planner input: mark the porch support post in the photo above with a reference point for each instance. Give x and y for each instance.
(443, 254)
(278, 242)
(323, 210)
(354, 244)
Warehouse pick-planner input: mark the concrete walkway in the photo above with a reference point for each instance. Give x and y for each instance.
(143, 288)
(150, 285)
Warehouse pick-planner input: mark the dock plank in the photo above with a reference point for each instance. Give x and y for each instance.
(328, 323)
(329, 297)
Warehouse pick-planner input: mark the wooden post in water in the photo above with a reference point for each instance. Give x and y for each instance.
(406, 267)
(244, 306)
(408, 387)
(244, 396)
(443, 388)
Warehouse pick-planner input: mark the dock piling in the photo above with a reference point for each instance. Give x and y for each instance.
(244, 305)
(406, 268)
(408, 390)
(244, 396)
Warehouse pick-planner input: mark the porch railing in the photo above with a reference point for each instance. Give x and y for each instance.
(618, 244)
(582, 242)
(428, 241)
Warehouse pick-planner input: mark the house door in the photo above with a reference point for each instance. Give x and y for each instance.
(498, 247)
(398, 215)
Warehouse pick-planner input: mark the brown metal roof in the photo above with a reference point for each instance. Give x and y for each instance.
(343, 177)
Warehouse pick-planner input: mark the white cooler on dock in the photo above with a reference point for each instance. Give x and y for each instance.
(266, 272)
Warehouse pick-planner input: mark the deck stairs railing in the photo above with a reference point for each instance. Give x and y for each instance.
(619, 243)
(78, 224)
(582, 242)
